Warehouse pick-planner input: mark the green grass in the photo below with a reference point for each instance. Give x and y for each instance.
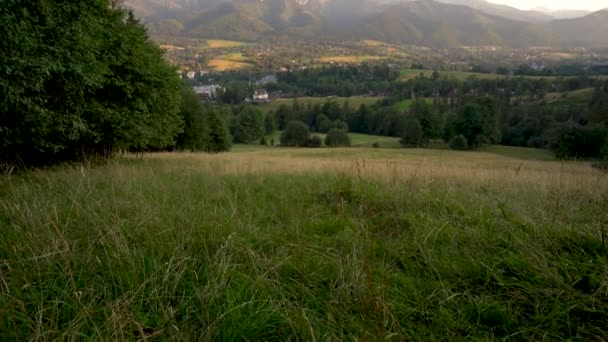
(354, 102)
(306, 244)
(357, 140)
(578, 96)
(409, 74)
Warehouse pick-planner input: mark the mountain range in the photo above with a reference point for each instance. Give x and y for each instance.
(441, 23)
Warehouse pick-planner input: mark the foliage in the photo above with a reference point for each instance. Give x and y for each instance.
(315, 141)
(413, 134)
(196, 132)
(81, 78)
(580, 142)
(459, 143)
(269, 124)
(336, 138)
(295, 134)
(476, 122)
(219, 139)
(234, 92)
(247, 126)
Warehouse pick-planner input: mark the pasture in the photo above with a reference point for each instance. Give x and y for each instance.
(307, 244)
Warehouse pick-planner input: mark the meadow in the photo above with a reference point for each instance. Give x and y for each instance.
(349, 59)
(307, 244)
(354, 102)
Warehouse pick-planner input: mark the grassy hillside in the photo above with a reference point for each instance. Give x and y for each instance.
(296, 244)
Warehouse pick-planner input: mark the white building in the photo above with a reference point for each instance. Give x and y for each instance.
(208, 91)
(191, 75)
(261, 96)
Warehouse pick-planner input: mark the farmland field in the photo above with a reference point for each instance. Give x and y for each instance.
(307, 244)
(233, 61)
(223, 44)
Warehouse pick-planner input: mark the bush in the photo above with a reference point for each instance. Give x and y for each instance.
(413, 135)
(579, 142)
(295, 134)
(459, 143)
(337, 138)
(315, 141)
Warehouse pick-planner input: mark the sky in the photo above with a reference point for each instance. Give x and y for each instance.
(591, 5)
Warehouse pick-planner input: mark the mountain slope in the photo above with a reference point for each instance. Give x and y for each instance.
(425, 22)
(443, 25)
(588, 31)
(502, 11)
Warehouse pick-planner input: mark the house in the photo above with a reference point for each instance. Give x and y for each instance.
(191, 75)
(261, 96)
(208, 91)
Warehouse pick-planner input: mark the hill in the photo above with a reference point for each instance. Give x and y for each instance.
(250, 20)
(588, 31)
(445, 25)
(448, 23)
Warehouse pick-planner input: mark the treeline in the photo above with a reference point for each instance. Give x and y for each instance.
(342, 81)
(466, 120)
(82, 79)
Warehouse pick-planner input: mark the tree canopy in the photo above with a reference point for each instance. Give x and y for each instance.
(80, 78)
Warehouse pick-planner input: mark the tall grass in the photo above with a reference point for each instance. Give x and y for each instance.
(311, 245)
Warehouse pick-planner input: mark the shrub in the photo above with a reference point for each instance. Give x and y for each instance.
(459, 143)
(579, 142)
(295, 134)
(315, 141)
(413, 135)
(336, 138)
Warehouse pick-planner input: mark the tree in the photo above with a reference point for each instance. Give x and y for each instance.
(337, 138)
(234, 92)
(218, 138)
(194, 136)
(296, 134)
(459, 143)
(247, 126)
(269, 124)
(99, 83)
(283, 115)
(413, 135)
(476, 122)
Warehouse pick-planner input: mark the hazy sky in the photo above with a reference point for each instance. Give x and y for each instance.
(591, 5)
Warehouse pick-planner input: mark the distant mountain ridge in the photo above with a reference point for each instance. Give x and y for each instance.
(441, 23)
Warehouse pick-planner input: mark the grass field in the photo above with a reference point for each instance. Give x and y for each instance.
(348, 59)
(357, 140)
(232, 61)
(580, 96)
(354, 102)
(307, 244)
(409, 74)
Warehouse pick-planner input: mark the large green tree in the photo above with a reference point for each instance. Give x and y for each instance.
(79, 78)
